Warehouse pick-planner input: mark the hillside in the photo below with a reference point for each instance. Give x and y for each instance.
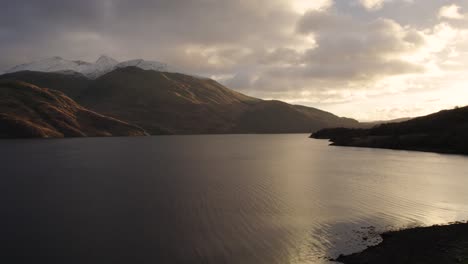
(279, 117)
(182, 104)
(29, 111)
(380, 122)
(70, 84)
(178, 103)
(445, 131)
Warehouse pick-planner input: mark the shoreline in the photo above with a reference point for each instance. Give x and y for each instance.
(426, 150)
(438, 244)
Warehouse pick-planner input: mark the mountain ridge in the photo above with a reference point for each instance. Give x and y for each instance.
(176, 103)
(104, 64)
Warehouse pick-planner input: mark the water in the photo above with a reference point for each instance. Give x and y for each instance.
(215, 199)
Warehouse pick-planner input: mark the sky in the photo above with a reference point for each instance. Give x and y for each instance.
(365, 59)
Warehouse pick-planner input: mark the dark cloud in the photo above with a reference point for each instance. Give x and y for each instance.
(142, 28)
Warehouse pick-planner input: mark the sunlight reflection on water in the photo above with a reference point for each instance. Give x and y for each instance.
(218, 199)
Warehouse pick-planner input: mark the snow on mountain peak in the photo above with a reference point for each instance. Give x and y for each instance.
(103, 65)
(145, 65)
(48, 64)
(104, 59)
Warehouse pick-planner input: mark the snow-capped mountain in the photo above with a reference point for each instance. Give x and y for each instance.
(53, 64)
(145, 65)
(102, 66)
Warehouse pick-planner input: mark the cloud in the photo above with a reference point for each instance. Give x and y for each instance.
(302, 6)
(355, 50)
(331, 53)
(451, 12)
(355, 60)
(372, 4)
(144, 28)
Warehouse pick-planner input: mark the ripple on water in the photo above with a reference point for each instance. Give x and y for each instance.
(218, 199)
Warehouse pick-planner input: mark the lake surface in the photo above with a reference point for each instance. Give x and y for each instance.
(215, 199)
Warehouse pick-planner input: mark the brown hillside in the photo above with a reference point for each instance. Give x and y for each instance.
(162, 102)
(29, 111)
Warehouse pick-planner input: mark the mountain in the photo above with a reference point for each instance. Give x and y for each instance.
(175, 103)
(280, 117)
(184, 104)
(445, 132)
(103, 65)
(380, 122)
(70, 84)
(29, 111)
(147, 65)
(54, 64)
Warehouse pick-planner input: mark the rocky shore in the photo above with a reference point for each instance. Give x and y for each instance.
(446, 244)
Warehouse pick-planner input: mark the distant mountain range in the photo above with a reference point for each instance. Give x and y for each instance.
(152, 96)
(380, 122)
(445, 132)
(103, 65)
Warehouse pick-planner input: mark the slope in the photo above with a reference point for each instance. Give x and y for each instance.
(183, 104)
(445, 131)
(29, 111)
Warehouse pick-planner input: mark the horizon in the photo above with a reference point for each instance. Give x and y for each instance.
(365, 59)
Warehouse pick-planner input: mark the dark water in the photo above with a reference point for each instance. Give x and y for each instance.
(215, 199)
